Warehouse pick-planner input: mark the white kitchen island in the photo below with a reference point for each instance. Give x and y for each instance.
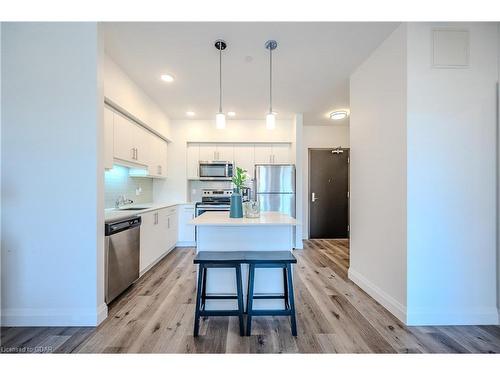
(216, 231)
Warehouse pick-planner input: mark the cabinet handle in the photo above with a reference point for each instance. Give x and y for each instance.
(133, 153)
(168, 223)
(270, 158)
(136, 154)
(159, 169)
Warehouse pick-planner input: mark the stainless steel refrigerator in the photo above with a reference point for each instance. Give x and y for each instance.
(275, 187)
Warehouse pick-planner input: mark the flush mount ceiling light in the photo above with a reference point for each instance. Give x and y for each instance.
(271, 45)
(339, 115)
(220, 118)
(190, 113)
(231, 114)
(167, 78)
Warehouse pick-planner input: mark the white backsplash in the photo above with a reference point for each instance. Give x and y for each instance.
(118, 182)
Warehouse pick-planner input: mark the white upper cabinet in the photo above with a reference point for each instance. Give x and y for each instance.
(208, 152)
(157, 165)
(108, 138)
(131, 141)
(135, 145)
(276, 153)
(263, 153)
(123, 143)
(281, 153)
(216, 152)
(224, 152)
(244, 157)
(193, 157)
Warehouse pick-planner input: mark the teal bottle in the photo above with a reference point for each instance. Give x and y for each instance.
(236, 210)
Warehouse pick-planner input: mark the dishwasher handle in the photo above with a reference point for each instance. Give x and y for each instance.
(120, 226)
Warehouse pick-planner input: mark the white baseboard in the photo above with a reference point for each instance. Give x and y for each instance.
(102, 313)
(394, 307)
(54, 317)
(186, 244)
(453, 317)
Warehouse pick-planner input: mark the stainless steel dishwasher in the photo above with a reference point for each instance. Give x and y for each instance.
(121, 255)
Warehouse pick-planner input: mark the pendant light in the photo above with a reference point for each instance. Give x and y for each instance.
(271, 116)
(220, 117)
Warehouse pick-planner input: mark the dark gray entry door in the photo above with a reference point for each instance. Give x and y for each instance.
(328, 193)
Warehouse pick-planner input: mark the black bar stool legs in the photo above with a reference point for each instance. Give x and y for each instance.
(287, 296)
(255, 259)
(201, 296)
(290, 299)
(250, 297)
(201, 270)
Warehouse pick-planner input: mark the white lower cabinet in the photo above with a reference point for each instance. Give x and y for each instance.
(186, 231)
(158, 236)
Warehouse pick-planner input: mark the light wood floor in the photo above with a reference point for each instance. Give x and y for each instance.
(333, 316)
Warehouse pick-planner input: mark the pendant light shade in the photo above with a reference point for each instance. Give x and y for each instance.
(271, 116)
(270, 121)
(220, 117)
(220, 120)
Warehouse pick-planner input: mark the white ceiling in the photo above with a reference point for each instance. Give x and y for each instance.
(311, 65)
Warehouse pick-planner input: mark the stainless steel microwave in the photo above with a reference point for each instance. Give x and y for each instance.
(216, 170)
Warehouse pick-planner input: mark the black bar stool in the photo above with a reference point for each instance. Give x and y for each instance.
(218, 259)
(271, 259)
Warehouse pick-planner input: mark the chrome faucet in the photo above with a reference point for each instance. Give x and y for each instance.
(121, 200)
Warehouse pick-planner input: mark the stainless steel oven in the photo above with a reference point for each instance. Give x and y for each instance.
(201, 208)
(213, 200)
(216, 170)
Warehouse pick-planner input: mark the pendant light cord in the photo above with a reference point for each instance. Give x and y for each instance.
(270, 80)
(220, 78)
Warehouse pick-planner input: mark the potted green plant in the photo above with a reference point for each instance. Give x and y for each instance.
(239, 179)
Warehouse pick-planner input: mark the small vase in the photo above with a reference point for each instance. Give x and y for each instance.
(236, 210)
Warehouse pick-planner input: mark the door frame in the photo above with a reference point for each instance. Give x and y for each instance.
(345, 149)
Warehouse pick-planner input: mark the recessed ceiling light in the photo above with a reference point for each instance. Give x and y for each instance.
(338, 115)
(231, 114)
(190, 113)
(167, 78)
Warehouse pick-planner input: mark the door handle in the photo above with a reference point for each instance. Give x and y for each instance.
(314, 198)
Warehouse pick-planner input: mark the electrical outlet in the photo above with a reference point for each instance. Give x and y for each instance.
(138, 191)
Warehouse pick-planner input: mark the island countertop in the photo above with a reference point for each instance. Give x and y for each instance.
(218, 218)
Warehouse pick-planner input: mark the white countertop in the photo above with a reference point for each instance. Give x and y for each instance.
(112, 214)
(217, 218)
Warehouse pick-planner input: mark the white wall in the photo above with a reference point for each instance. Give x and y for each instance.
(52, 242)
(297, 145)
(423, 178)
(317, 136)
(174, 187)
(378, 174)
(452, 181)
(125, 95)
